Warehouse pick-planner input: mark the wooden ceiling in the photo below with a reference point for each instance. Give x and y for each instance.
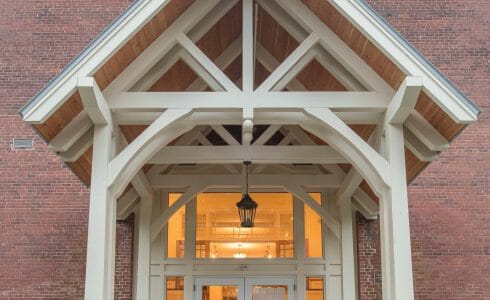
(276, 40)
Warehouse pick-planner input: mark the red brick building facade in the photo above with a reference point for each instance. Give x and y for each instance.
(44, 207)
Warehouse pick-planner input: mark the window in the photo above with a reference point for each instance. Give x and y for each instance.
(313, 230)
(314, 288)
(218, 227)
(174, 288)
(176, 230)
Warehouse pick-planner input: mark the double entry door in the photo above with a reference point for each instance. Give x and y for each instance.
(244, 288)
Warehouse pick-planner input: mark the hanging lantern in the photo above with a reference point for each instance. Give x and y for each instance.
(247, 206)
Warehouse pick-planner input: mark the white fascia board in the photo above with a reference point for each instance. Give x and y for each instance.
(90, 60)
(444, 93)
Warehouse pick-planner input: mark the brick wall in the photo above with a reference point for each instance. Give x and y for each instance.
(449, 202)
(43, 206)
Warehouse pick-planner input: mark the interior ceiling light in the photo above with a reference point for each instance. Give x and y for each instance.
(247, 206)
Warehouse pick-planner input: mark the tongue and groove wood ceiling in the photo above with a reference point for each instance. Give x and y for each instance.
(273, 38)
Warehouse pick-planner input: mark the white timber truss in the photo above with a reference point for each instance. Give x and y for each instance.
(286, 156)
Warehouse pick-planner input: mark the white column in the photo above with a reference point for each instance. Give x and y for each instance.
(395, 228)
(142, 265)
(348, 257)
(99, 276)
(299, 246)
(333, 250)
(189, 248)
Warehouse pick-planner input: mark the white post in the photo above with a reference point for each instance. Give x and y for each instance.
(348, 263)
(99, 276)
(332, 250)
(143, 249)
(395, 230)
(189, 248)
(299, 237)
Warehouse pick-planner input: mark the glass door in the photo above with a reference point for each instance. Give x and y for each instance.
(257, 288)
(220, 289)
(250, 288)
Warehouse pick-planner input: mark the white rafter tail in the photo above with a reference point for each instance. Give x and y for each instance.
(350, 184)
(71, 133)
(274, 81)
(403, 103)
(188, 195)
(248, 46)
(329, 220)
(425, 132)
(267, 135)
(418, 148)
(127, 163)
(223, 61)
(366, 205)
(79, 147)
(225, 135)
(126, 204)
(256, 154)
(94, 102)
(160, 47)
(207, 64)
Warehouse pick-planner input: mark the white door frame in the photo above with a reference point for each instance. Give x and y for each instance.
(244, 284)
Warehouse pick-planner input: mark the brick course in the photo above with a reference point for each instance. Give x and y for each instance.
(44, 207)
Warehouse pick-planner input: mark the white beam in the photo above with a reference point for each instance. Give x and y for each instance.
(404, 101)
(202, 73)
(342, 101)
(79, 148)
(223, 61)
(235, 181)
(128, 162)
(166, 41)
(424, 131)
(365, 204)
(201, 58)
(189, 194)
(274, 80)
(270, 63)
(301, 194)
(94, 102)
(255, 154)
(260, 117)
(205, 142)
(248, 45)
(225, 135)
(126, 204)
(372, 166)
(71, 133)
(266, 135)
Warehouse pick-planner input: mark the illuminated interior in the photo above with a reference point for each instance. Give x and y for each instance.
(219, 235)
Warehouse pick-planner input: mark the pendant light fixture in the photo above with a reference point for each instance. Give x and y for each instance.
(247, 206)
